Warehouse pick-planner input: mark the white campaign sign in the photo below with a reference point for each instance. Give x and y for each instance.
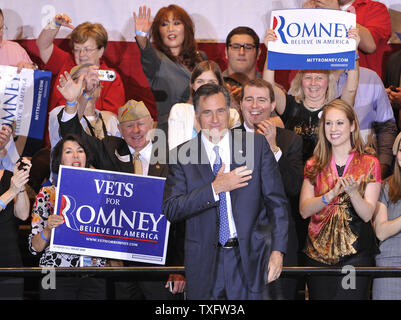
(312, 39)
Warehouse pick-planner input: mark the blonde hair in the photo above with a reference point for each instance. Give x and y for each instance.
(297, 91)
(394, 181)
(322, 153)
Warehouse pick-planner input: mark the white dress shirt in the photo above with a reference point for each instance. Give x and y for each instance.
(225, 155)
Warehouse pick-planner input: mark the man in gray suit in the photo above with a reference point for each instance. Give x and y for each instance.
(223, 202)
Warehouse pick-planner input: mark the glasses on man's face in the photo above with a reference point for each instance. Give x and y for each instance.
(83, 50)
(238, 46)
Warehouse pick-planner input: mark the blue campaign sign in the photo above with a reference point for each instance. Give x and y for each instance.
(23, 104)
(111, 215)
(311, 39)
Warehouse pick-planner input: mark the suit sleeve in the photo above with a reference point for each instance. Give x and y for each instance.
(178, 202)
(292, 168)
(150, 61)
(73, 126)
(275, 200)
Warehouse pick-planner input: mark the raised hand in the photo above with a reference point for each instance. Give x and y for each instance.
(270, 36)
(70, 90)
(353, 33)
(92, 79)
(143, 21)
(20, 176)
(64, 20)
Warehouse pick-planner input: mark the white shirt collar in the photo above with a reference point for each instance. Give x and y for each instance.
(224, 149)
(145, 153)
(247, 128)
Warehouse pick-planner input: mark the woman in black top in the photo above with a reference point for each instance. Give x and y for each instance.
(14, 205)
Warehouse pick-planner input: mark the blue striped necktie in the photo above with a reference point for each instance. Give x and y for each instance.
(224, 230)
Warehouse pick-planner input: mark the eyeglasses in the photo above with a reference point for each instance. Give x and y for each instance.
(3, 28)
(83, 50)
(238, 46)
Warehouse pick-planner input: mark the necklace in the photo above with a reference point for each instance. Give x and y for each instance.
(312, 109)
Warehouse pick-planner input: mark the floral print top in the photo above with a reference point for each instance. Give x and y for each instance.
(42, 208)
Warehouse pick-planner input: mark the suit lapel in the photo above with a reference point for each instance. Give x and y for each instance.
(203, 161)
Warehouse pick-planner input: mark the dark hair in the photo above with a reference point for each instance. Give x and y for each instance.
(57, 152)
(203, 66)
(259, 83)
(243, 30)
(208, 90)
(189, 55)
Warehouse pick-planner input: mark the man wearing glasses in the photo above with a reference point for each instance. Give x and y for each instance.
(242, 53)
(88, 43)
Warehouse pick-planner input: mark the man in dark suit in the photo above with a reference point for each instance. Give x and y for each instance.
(133, 153)
(220, 183)
(257, 104)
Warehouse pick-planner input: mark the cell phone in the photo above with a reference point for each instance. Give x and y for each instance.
(170, 286)
(106, 75)
(22, 165)
(394, 89)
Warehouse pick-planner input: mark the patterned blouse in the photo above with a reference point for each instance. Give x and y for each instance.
(337, 231)
(42, 208)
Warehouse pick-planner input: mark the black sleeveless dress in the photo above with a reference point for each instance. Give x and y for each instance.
(10, 255)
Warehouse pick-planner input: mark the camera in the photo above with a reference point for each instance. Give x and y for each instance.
(22, 165)
(106, 75)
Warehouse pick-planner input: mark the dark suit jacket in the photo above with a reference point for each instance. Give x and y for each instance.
(290, 163)
(112, 153)
(188, 196)
(292, 173)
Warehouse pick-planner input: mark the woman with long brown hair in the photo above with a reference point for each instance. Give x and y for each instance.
(339, 194)
(387, 226)
(169, 63)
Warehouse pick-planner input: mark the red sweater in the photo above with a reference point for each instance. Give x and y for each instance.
(112, 95)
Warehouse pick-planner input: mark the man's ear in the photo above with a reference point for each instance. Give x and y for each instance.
(272, 106)
(258, 54)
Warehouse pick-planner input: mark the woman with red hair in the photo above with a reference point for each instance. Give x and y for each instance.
(168, 64)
